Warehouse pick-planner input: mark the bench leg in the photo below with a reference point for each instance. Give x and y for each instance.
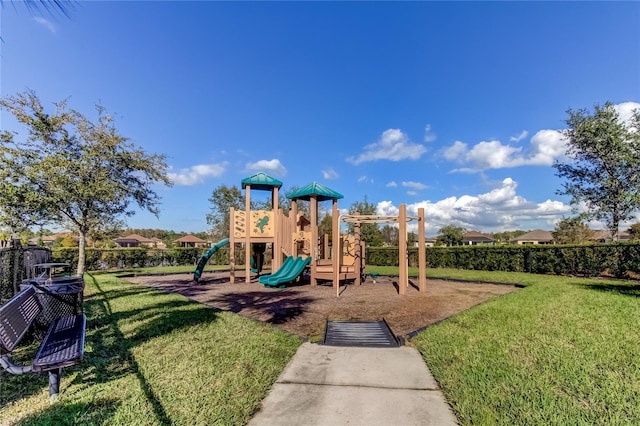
(54, 383)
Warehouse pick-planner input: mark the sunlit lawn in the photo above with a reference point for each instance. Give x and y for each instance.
(562, 350)
(155, 358)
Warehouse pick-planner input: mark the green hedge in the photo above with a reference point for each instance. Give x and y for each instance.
(97, 259)
(619, 259)
(616, 259)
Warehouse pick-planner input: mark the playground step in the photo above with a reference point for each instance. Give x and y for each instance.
(370, 334)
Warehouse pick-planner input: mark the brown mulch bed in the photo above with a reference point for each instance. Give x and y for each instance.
(303, 310)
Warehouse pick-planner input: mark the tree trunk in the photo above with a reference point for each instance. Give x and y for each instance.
(82, 249)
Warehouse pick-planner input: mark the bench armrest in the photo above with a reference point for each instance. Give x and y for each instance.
(7, 363)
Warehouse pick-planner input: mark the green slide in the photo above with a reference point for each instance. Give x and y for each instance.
(287, 273)
(205, 258)
(285, 268)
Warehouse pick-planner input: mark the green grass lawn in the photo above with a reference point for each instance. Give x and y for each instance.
(180, 269)
(154, 358)
(560, 351)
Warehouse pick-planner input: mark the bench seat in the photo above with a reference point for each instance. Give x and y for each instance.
(63, 345)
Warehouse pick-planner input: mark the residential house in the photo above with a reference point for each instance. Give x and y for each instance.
(158, 243)
(135, 240)
(537, 236)
(428, 242)
(474, 238)
(191, 241)
(48, 240)
(604, 236)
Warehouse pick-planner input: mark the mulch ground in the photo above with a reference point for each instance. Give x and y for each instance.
(303, 310)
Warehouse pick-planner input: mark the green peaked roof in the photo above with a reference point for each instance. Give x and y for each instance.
(321, 192)
(261, 181)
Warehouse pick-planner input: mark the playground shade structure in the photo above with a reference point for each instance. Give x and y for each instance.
(205, 258)
(288, 272)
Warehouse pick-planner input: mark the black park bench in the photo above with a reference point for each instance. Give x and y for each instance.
(62, 345)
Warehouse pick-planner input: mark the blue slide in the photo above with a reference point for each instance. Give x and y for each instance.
(205, 258)
(288, 272)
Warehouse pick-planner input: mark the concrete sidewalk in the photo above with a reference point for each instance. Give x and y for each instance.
(331, 385)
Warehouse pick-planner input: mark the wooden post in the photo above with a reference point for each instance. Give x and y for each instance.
(274, 198)
(422, 253)
(335, 246)
(293, 218)
(278, 218)
(247, 239)
(232, 246)
(325, 246)
(357, 264)
(403, 276)
(314, 237)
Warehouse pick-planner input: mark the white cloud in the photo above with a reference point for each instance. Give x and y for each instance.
(46, 23)
(518, 138)
(197, 174)
(545, 147)
(625, 110)
(456, 151)
(270, 166)
(429, 136)
(412, 193)
(386, 208)
(393, 145)
(493, 155)
(365, 179)
(392, 184)
(414, 185)
(329, 174)
(496, 210)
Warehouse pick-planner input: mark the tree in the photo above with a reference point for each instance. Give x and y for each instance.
(303, 207)
(390, 235)
(369, 232)
(50, 6)
(72, 172)
(222, 199)
(604, 163)
(506, 236)
(634, 231)
(326, 225)
(412, 239)
(571, 231)
(451, 235)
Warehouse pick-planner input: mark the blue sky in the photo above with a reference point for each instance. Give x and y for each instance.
(451, 106)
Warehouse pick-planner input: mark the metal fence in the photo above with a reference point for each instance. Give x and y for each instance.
(17, 264)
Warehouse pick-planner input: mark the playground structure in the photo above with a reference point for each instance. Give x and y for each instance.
(296, 245)
(403, 256)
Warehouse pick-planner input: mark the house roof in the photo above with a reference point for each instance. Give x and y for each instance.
(535, 235)
(261, 181)
(477, 236)
(134, 237)
(321, 192)
(190, 239)
(605, 234)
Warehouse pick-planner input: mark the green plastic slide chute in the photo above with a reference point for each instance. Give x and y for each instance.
(288, 272)
(205, 258)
